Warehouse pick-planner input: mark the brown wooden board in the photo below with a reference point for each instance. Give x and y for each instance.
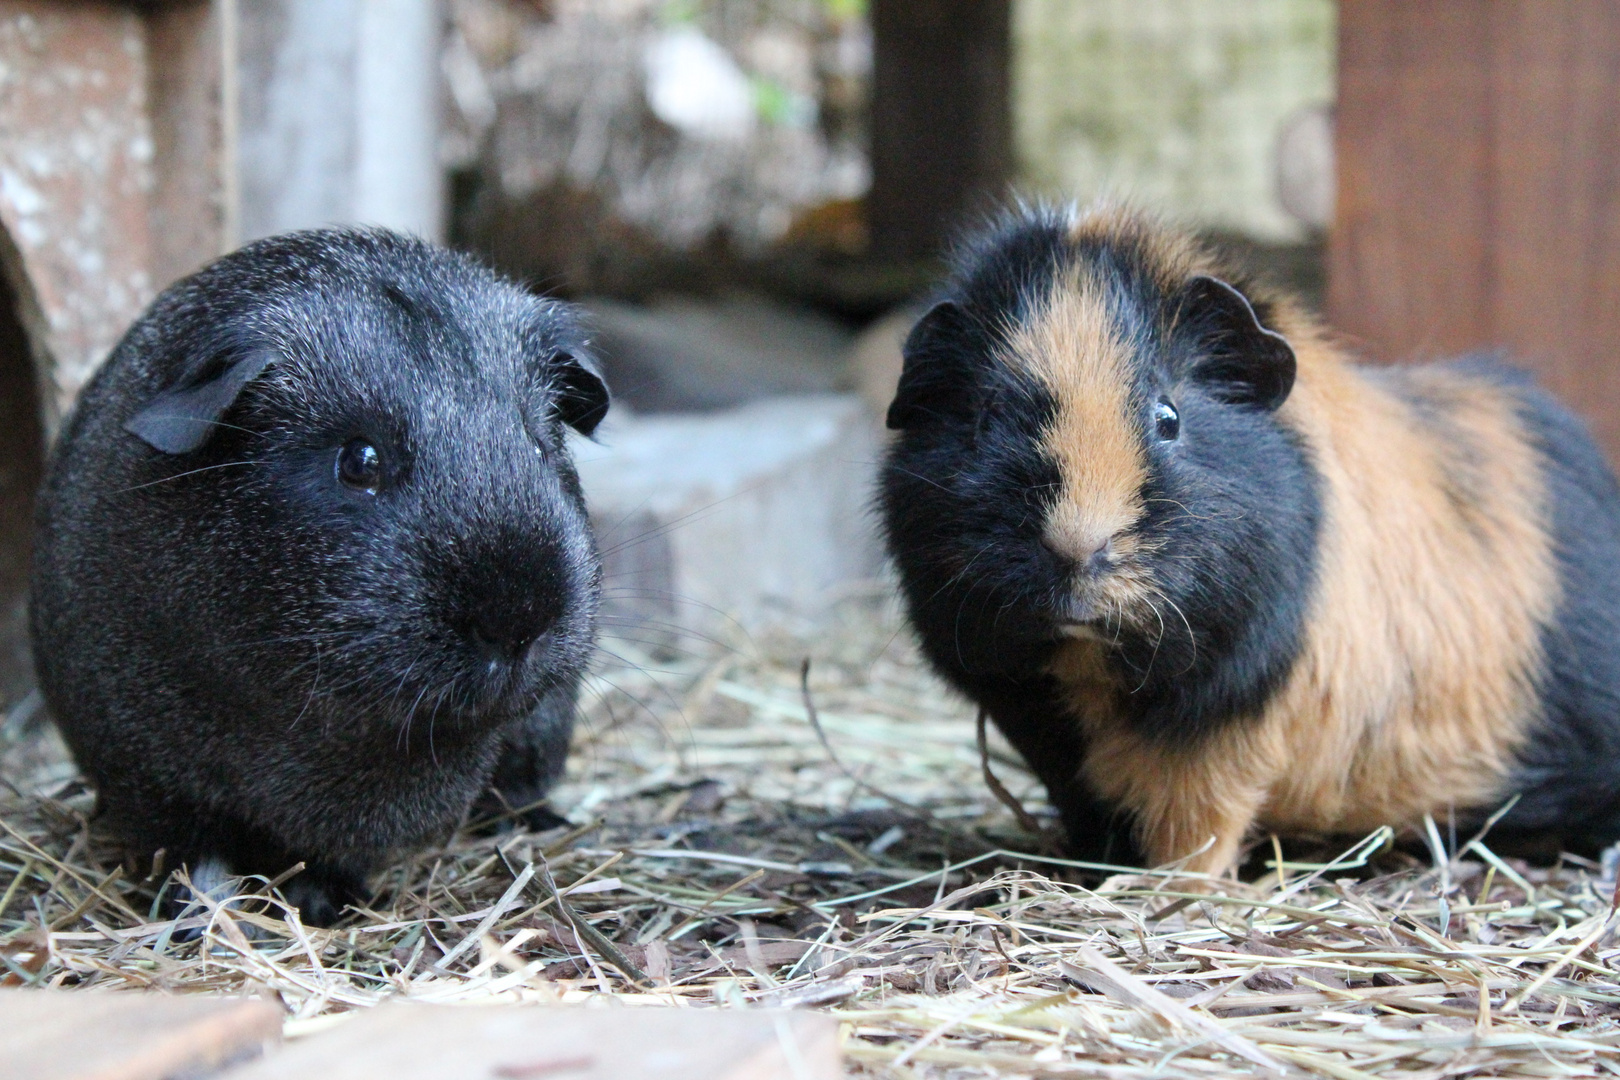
(429, 1042)
(1479, 188)
(86, 1035)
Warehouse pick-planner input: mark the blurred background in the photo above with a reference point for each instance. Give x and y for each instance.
(750, 197)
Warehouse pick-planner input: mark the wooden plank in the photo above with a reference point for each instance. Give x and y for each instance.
(87, 1035)
(1479, 188)
(941, 119)
(1408, 259)
(440, 1042)
(1556, 239)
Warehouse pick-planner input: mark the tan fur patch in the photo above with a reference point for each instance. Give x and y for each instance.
(1415, 686)
(1071, 348)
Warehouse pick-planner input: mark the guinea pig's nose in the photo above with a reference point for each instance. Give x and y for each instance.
(1090, 562)
(507, 633)
(1099, 559)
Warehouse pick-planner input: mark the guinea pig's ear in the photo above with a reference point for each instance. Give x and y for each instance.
(934, 381)
(582, 393)
(183, 417)
(1242, 362)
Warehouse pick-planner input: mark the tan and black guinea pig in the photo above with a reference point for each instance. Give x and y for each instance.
(1208, 576)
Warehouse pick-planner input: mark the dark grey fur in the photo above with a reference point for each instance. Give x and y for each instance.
(255, 664)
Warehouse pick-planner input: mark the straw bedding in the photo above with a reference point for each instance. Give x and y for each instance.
(728, 852)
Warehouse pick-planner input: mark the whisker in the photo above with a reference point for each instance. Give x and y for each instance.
(188, 472)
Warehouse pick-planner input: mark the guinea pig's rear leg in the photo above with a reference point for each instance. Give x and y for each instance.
(531, 760)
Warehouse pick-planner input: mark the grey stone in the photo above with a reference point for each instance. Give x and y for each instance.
(684, 354)
(339, 115)
(732, 520)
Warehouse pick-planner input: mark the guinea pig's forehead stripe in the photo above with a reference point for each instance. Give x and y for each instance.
(1072, 346)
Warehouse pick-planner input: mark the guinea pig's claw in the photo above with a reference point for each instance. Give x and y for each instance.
(543, 818)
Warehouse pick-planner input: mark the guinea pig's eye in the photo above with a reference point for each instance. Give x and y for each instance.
(359, 466)
(1166, 421)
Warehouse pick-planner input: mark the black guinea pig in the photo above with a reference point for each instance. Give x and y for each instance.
(1206, 574)
(312, 566)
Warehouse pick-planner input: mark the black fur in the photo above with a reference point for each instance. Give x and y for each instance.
(1233, 502)
(257, 665)
(1568, 781)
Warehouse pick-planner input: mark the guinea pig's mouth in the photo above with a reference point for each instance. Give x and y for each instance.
(482, 705)
(490, 691)
(1079, 617)
(1084, 631)
(1123, 600)
(509, 689)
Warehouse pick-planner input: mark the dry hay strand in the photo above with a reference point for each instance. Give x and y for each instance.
(729, 852)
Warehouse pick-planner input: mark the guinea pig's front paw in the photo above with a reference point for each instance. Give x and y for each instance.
(493, 813)
(1199, 884)
(543, 818)
(212, 884)
(321, 897)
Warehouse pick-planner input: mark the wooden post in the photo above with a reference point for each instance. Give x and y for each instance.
(185, 96)
(22, 449)
(941, 124)
(1479, 188)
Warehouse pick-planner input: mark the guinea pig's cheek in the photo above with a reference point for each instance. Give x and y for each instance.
(1129, 591)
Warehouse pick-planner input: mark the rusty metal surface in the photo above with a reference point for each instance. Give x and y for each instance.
(110, 167)
(76, 179)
